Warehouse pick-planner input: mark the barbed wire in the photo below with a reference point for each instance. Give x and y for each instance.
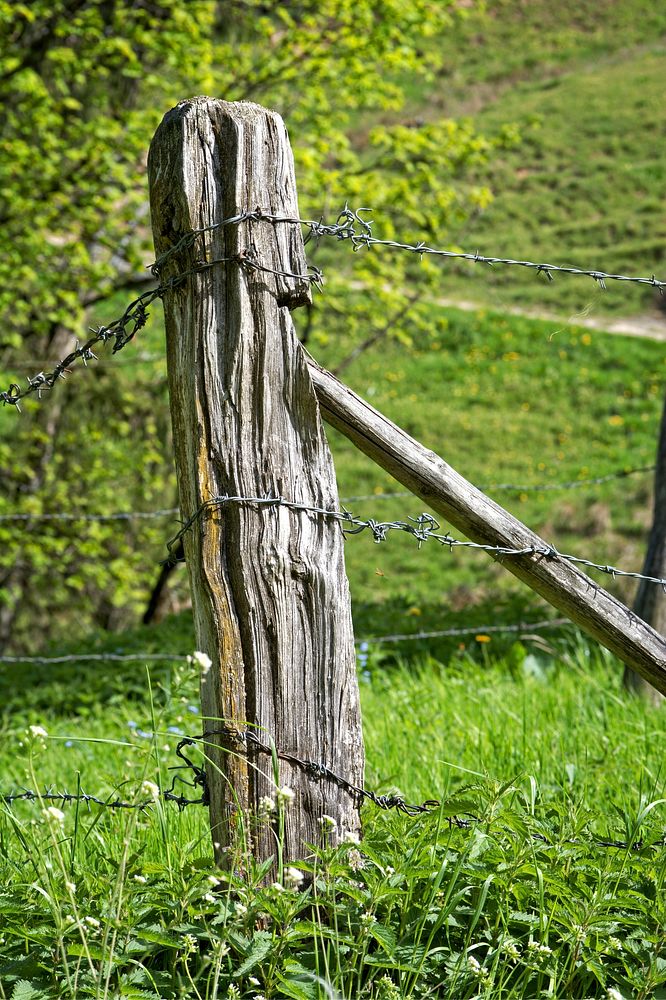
(242, 742)
(135, 317)
(66, 798)
(572, 484)
(526, 627)
(94, 658)
(123, 329)
(80, 516)
(423, 528)
(348, 220)
(246, 743)
(345, 228)
(520, 627)
(486, 487)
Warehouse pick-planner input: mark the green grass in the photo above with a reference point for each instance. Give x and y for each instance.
(540, 745)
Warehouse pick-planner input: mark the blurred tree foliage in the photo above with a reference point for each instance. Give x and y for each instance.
(84, 84)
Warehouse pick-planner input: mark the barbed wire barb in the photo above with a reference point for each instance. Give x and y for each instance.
(123, 329)
(240, 740)
(424, 527)
(359, 498)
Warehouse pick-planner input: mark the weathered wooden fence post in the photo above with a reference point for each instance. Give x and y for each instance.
(270, 594)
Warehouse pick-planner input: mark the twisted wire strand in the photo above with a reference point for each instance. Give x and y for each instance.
(349, 226)
(245, 742)
(423, 528)
(519, 627)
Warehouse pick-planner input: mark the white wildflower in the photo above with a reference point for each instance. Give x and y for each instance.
(140, 878)
(151, 789)
(538, 948)
(71, 887)
(355, 860)
(613, 994)
(200, 660)
(292, 878)
(266, 806)
(285, 796)
(92, 922)
(368, 918)
(38, 732)
(253, 981)
(328, 824)
(278, 887)
(615, 943)
(213, 880)
(510, 948)
(54, 814)
(209, 897)
(240, 909)
(350, 837)
(69, 919)
(477, 969)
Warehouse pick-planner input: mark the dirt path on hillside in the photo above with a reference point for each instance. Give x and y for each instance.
(651, 326)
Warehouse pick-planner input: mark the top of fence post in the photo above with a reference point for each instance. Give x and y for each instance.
(270, 594)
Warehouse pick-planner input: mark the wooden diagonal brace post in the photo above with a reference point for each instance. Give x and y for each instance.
(482, 520)
(270, 594)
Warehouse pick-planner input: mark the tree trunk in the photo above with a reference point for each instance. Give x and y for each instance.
(270, 594)
(650, 603)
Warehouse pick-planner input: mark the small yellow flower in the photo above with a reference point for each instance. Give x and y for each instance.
(482, 638)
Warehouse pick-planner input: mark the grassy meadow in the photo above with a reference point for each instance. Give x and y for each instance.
(538, 751)
(582, 84)
(541, 873)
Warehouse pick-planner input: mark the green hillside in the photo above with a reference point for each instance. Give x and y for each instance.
(583, 85)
